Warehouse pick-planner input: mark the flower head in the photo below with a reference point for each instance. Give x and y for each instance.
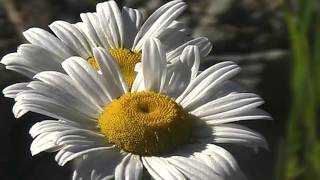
(121, 32)
(170, 122)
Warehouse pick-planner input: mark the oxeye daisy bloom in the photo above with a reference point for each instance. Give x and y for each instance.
(121, 32)
(170, 123)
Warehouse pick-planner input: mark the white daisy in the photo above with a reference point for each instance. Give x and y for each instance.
(121, 32)
(170, 123)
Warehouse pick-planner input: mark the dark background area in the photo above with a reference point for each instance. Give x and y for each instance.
(249, 32)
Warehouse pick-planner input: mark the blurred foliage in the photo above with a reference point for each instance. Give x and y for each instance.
(299, 154)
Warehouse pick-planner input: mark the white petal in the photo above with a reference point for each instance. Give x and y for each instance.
(78, 142)
(138, 83)
(12, 90)
(43, 142)
(154, 65)
(129, 168)
(201, 77)
(40, 56)
(158, 21)
(72, 37)
(222, 169)
(44, 127)
(160, 169)
(229, 87)
(98, 165)
(32, 58)
(226, 161)
(202, 43)
(66, 137)
(18, 112)
(24, 70)
(132, 19)
(180, 26)
(88, 80)
(94, 29)
(77, 136)
(234, 102)
(15, 59)
(111, 72)
(232, 109)
(67, 154)
(48, 41)
(46, 134)
(233, 133)
(81, 26)
(29, 66)
(192, 168)
(55, 107)
(178, 79)
(173, 39)
(61, 85)
(206, 84)
(110, 18)
(135, 16)
(175, 35)
(254, 114)
(61, 103)
(191, 56)
(220, 162)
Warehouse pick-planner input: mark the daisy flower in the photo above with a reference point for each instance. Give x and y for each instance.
(121, 32)
(169, 124)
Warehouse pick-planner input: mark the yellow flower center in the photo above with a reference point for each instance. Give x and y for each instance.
(93, 63)
(145, 123)
(126, 60)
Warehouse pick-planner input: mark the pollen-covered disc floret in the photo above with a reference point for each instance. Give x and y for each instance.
(93, 63)
(126, 59)
(145, 123)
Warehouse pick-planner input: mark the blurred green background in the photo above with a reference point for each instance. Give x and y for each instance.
(276, 42)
